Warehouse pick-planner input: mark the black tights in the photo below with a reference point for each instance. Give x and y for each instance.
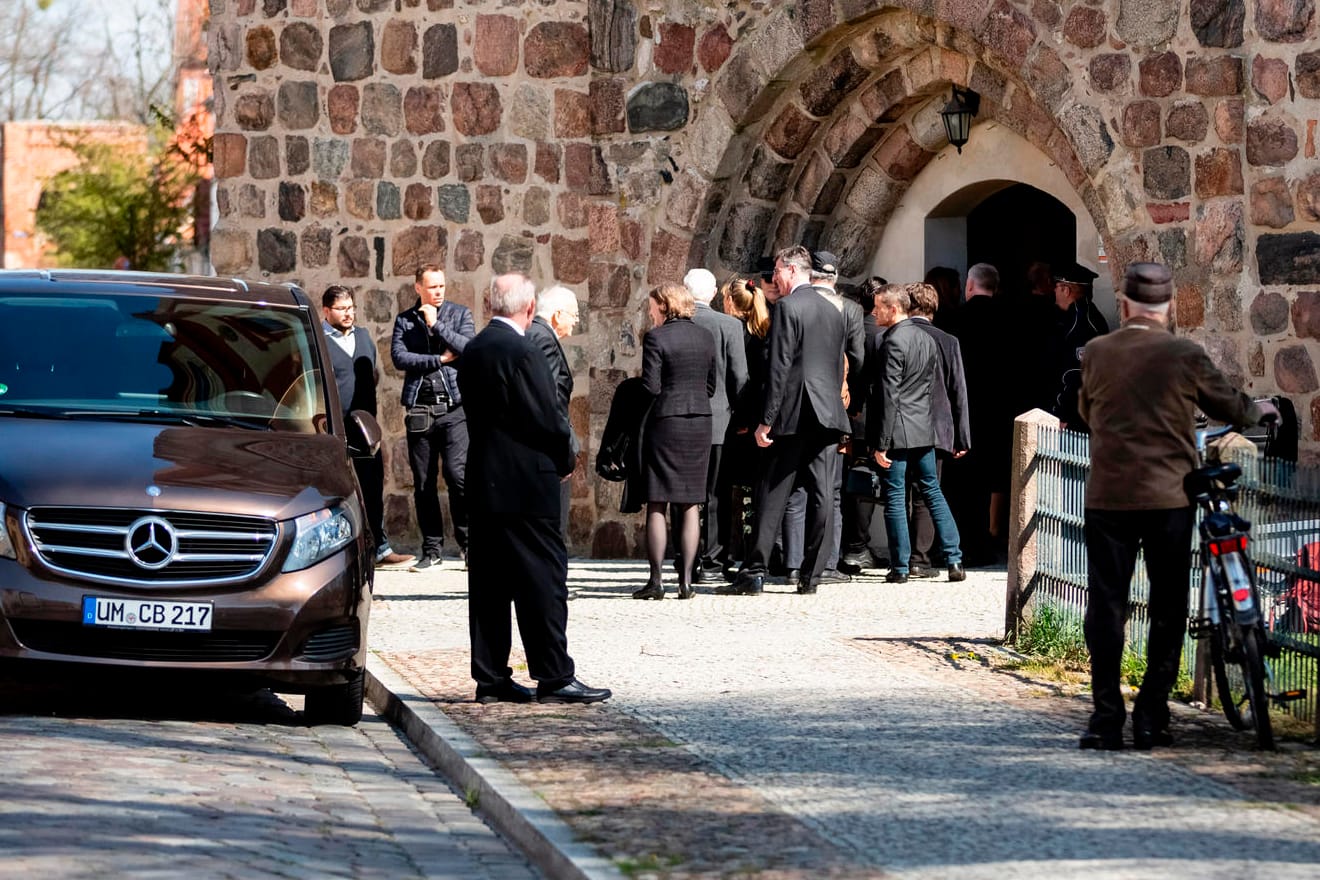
(689, 533)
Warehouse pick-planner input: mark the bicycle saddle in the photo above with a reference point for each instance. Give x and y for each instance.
(1212, 476)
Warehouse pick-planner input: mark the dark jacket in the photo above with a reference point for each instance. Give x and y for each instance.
(953, 432)
(854, 339)
(678, 368)
(730, 365)
(541, 334)
(909, 361)
(416, 349)
(520, 439)
(1078, 325)
(805, 365)
(619, 457)
(1141, 387)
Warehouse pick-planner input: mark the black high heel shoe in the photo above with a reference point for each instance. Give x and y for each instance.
(686, 591)
(652, 590)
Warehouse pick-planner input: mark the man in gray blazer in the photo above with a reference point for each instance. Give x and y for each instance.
(903, 436)
(730, 377)
(802, 420)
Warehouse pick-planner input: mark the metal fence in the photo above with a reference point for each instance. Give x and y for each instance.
(1282, 501)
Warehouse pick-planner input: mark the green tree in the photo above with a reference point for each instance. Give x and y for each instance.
(116, 203)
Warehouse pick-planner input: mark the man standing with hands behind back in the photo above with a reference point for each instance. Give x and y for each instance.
(428, 340)
(522, 447)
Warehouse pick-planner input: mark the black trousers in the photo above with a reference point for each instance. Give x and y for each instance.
(1113, 538)
(371, 477)
(443, 445)
(520, 560)
(921, 525)
(805, 459)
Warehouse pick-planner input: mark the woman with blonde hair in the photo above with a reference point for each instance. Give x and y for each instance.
(678, 368)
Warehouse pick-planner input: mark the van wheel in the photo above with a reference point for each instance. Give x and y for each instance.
(336, 703)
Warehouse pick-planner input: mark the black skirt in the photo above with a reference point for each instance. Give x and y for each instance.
(676, 459)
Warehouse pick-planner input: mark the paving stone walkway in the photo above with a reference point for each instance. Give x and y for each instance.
(840, 735)
(161, 784)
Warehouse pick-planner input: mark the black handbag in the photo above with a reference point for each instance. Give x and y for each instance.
(863, 481)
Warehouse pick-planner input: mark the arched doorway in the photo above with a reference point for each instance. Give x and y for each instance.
(1017, 226)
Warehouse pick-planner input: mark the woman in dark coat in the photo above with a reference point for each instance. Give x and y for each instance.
(678, 367)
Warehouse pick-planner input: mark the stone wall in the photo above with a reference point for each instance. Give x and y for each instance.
(611, 144)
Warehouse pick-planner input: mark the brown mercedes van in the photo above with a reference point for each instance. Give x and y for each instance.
(176, 490)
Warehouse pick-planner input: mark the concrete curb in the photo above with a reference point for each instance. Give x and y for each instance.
(514, 810)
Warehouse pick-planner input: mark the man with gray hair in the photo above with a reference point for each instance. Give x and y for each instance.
(730, 377)
(1141, 386)
(556, 316)
(520, 441)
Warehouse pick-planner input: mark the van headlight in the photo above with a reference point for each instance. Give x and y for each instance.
(6, 545)
(317, 535)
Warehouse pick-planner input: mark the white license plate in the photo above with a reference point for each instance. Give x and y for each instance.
(146, 614)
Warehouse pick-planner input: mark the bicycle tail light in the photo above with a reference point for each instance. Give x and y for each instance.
(1231, 544)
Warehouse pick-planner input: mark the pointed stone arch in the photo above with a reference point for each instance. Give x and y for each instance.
(826, 113)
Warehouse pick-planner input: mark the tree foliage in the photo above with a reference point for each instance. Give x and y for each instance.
(118, 204)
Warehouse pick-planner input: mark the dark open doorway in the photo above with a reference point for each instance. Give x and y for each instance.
(1016, 226)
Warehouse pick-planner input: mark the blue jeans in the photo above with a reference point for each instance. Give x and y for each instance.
(926, 482)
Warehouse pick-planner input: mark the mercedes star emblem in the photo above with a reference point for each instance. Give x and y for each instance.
(151, 542)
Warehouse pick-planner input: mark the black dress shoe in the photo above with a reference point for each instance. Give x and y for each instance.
(920, 571)
(896, 577)
(574, 692)
(505, 692)
(1146, 738)
(794, 577)
(743, 585)
(807, 588)
(1106, 742)
(956, 573)
(652, 590)
(831, 576)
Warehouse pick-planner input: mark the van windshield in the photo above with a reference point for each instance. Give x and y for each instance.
(136, 356)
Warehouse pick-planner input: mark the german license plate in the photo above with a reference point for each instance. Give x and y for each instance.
(146, 614)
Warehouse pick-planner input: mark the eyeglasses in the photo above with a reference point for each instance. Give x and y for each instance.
(348, 308)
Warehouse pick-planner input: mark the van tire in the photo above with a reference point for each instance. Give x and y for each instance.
(337, 703)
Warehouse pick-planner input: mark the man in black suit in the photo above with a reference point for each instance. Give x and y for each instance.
(353, 358)
(520, 440)
(903, 436)
(428, 340)
(556, 316)
(730, 377)
(803, 419)
(855, 552)
(952, 429)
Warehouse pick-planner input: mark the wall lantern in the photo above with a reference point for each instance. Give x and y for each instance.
(957, 116)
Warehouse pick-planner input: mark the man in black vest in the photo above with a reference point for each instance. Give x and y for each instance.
(353, 358)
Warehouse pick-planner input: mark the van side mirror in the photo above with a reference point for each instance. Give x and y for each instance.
(363, 434)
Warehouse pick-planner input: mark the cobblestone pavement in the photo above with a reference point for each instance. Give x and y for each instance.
(228, 786)
(839, 735)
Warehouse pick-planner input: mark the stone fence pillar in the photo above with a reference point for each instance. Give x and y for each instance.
(1022, 514)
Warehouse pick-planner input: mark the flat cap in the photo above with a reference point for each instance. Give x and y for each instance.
(1149, 283)
(824, 262)
(1073, 273)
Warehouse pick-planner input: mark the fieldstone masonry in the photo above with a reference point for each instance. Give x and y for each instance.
(612, 144)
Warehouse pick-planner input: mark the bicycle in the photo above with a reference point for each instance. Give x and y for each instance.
(1231, 615)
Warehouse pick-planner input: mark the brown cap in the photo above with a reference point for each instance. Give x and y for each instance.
(1149, 283)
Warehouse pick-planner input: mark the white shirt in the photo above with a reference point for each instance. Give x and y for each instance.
(512, 323)
(346, 341)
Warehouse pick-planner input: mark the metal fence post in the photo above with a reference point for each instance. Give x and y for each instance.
(1022, 514)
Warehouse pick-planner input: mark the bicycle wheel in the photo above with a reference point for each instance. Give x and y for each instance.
(1240, 680)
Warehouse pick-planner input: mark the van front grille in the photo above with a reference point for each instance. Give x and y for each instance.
(76, 640)
(145, 547)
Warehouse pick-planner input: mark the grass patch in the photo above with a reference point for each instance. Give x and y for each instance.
(1051, 637)
(631, 867)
